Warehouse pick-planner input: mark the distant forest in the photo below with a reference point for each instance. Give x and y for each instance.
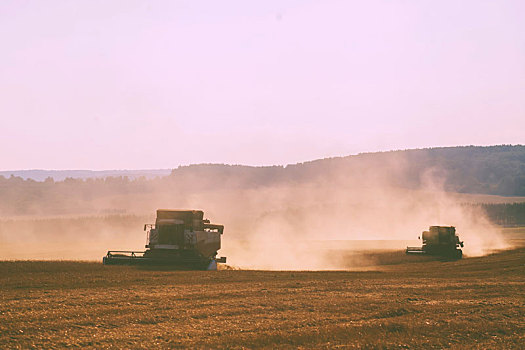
(496, 170)
(506, 214)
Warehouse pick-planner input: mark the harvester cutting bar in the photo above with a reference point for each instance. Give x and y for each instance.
(117, 257)
(123, 257)
(415, 250)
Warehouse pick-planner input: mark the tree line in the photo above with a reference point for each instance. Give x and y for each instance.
(496, 170)
(506, 214)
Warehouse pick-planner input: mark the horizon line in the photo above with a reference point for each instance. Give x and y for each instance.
(263, 165)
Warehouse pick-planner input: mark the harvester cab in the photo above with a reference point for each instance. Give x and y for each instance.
(440, 241)
(178, 238)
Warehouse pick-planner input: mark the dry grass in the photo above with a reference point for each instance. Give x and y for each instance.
(473, 303)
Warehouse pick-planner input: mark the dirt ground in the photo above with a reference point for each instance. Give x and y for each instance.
(473, 303)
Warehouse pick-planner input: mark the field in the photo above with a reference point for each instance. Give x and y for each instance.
(422, 303)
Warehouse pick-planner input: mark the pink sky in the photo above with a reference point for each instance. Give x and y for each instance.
(155, 84)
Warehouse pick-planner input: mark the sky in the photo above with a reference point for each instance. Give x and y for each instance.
(122, 84)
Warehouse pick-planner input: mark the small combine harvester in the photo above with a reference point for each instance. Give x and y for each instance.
(180, 238)
(440, 241)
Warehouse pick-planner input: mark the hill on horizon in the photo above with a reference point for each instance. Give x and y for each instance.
(61, 175)
(493, 170)
(498, 170)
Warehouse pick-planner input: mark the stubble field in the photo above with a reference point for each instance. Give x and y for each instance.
(473, 303)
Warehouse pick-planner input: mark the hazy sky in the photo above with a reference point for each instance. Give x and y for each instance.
(154, 84)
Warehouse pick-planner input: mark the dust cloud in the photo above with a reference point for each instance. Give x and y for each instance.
(329, 222)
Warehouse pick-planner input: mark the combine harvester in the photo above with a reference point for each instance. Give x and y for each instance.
(439, 241)
(180, 238)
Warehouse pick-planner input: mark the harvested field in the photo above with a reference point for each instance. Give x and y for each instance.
(472, 303)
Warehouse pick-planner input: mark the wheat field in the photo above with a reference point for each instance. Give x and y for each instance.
(473, 303)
